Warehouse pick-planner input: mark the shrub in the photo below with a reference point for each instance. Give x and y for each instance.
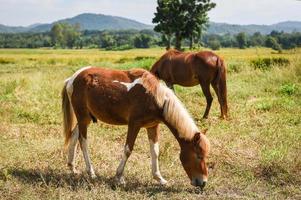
(268, 63)
(144, 57)
(288, 89)
(124, 60)
(7, 61)
(214, 44)
(264, 106)
(235, 67)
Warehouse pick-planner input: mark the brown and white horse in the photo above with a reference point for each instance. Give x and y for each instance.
(190, 69)
(135, 98)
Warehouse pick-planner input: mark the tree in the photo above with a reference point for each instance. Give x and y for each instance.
(142, 41)
(214, 44)
(241, 40)
(181, 19)
(57, 34)
(64, 34)
(196, 18)
(107, 41)
(273, 43)
(257, 39)
(163, 18)
(71, 34)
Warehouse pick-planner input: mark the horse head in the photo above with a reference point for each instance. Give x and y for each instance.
(193, 157)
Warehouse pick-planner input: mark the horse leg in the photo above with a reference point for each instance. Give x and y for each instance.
(153, 136)
(128, 148)
(72, 149)
(206, 90)
(220, 101)
(84, 146)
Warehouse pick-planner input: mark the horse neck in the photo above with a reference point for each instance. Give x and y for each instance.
(182, 142)
(177, 116)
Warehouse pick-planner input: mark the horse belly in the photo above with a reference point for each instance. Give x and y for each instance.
(184, 76)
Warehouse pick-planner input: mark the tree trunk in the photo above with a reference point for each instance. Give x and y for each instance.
(168, 42)
(191, 42)
(178, 42)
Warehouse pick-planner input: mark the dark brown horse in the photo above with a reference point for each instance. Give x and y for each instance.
(190, 69)
(135, 98)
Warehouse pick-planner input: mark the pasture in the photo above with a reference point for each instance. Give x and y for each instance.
(256, 153)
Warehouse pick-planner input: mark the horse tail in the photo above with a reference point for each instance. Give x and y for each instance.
(68, 116)
(221, 83)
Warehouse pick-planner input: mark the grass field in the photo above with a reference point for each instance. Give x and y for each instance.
(256, 152)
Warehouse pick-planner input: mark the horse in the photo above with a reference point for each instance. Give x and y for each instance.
(190, 69)
(135, 98)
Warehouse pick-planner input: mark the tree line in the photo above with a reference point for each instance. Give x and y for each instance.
(70, 36)
(63, 35)
(275, 40)
(177, 23)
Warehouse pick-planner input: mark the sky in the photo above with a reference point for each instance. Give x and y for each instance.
(27, 12)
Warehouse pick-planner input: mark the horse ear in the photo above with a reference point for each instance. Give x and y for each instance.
(196, 138)
(204, 131)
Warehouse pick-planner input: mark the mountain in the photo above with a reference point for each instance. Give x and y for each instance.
(87, 21)
(12, 29)
(90, 21)
(223, 28)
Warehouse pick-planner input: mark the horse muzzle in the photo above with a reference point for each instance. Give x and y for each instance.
(198, 183)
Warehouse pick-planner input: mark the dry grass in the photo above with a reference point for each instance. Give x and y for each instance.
(256, 153)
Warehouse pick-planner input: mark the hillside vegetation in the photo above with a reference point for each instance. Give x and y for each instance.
(255, 154)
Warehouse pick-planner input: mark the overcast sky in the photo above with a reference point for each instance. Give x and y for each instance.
(26, 12)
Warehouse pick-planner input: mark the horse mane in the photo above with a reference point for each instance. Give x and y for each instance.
(173, 110)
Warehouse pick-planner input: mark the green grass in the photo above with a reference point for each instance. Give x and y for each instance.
(256, 153)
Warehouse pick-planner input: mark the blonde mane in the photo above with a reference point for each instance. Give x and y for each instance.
(173, 110)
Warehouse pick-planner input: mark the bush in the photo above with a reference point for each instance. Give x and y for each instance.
(235, 67)
(214, 44)
(7, 61)
(144, 57)
(288, 89)
(273, 43)
(268, 63)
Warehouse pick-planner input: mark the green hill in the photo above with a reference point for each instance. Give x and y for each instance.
(89, 21)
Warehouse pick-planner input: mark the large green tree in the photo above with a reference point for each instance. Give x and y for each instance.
(164, 19)
(64, 34)
(242, 40)
(181, 19)
(196, 18)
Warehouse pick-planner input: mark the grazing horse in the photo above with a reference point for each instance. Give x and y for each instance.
(135, 98)
(190, 69)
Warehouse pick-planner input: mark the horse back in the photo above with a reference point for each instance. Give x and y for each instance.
(112, 96)
(174, 68)
(207, 65)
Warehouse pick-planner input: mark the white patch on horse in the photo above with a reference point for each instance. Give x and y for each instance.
(72, 149)
(154, 149)
(84, 147)
(70, 80)
(129, 86)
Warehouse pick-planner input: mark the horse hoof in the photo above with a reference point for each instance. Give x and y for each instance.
(92, 176)
(75, 171)
(119, 181)
(163, 182)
